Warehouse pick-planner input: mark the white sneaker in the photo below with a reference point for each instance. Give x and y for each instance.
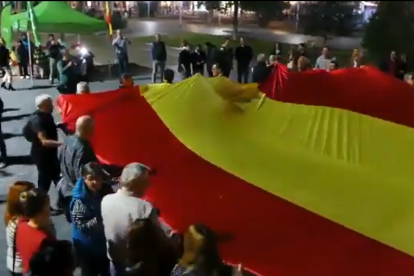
(27, 77)
(22, 77)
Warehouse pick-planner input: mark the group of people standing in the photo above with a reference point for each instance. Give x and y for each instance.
(51, 61)
(208, 59)
(114, 231)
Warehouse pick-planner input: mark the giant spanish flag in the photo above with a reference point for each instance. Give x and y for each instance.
(299, 189)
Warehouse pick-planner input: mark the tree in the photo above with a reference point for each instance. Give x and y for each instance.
(391, 28)
(329, 17)
(265, 10)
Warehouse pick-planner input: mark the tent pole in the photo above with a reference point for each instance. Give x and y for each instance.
(29, 48)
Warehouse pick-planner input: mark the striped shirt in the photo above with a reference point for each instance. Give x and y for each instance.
(80, 218)
(10, 235)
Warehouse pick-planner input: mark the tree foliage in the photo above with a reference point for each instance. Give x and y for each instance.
(390, 28)
(329, 17)
(266, 9)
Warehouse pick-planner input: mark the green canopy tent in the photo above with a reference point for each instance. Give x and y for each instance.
(52, 17)
(58, 17)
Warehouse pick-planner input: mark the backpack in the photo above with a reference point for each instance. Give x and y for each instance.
(27, 130)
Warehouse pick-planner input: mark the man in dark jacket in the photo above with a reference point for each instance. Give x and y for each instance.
(23, 55)
(261, 71)
(67, 74)
(198, 59)
(225, 58)
(243, 56)
(210, 51)
(74, 154)
(159, 57)
(87, 233)
(54, 54)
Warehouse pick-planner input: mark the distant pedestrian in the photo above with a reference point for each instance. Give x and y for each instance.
(184, 62)
(323, 62)
(210, 50)
(243, 56)
(121, 43)
(54, 54)
(5, 61)
(159, 58)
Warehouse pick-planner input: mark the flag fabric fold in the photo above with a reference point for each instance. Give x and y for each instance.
(364, 90)
(301, 190)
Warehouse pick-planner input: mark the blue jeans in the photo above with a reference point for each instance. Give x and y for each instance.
(123, 64)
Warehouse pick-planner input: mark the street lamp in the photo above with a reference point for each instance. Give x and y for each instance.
(297, 14)
(181, 14)
(149, 8)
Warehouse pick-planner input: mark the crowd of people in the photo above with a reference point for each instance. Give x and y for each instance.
(219, 61)
(114, 231)
(52, 61)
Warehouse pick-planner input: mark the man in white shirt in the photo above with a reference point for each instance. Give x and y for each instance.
(122, 208)
(323, 62)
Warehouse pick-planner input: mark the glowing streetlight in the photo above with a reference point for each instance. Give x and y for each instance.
(181, 14)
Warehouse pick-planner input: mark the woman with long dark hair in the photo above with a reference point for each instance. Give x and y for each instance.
(201, 256)
(150, 251)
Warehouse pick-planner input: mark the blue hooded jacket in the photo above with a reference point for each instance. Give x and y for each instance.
(86, 226)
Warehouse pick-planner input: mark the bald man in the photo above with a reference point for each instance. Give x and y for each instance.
(76, 152)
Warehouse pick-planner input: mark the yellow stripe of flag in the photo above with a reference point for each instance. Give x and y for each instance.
(353, 169)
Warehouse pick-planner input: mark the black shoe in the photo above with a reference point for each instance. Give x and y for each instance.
(11, 88)
(3, 85)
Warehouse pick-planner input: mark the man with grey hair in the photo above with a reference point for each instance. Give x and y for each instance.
(82, 88)
(126, 206)
(261, 71)
(41, 131)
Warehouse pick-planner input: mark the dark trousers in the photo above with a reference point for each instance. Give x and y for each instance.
(91, 265)
(123, 64)
(15, 274)
(243, 74)
(48, 171)
(3, 149)
(23, 71)
(198, 70)
(209, 69)
(226, 71)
